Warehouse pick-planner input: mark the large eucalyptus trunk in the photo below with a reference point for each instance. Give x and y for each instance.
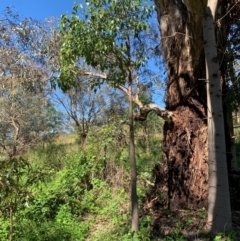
(194, 169)
(185, 147)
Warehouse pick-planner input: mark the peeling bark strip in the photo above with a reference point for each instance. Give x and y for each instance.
(184, 163)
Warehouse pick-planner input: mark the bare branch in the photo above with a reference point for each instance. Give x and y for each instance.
(218, 21)
(16, 126)
(3, 146)
(91, 74)
(146, 109)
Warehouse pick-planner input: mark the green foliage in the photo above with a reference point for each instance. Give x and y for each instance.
(14, 184)
(76, 200)
(230, 236)
(49, 156)
(77, 191)
(4, 229)
(107, 35)
(49, 231)
(27, 115)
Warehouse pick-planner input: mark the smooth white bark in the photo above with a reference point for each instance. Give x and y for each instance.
(219, 208)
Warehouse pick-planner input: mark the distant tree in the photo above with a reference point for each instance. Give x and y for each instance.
(82, 106)
(27, 116)
(25, 121)
(231, 87)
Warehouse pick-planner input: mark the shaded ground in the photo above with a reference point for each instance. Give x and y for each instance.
(182, 224)
(178, 202)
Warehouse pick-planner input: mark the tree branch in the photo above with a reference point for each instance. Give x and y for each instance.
(146, 109)
(3, 146)
(16, 127)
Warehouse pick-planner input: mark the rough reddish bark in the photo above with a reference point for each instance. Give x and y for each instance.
(184, 166)
(184, 171)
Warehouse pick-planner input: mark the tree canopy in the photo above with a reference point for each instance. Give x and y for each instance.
(110, 36)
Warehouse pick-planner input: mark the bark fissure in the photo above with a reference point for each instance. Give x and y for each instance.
(184, 156)
(195, 121)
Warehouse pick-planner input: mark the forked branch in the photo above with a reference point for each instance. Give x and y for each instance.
(144, 110)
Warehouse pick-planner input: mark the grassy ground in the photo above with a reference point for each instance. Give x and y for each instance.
(66, 138)
(83, 194)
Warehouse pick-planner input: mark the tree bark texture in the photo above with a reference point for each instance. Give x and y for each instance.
(134, 196)
(184, 162)
(185, 145)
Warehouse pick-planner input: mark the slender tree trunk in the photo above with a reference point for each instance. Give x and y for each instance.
(228, 125)
(146, 138)
(134, 197)
(228, 113)
(11, 224)
(234, 166)
(219, 209)
(83, 132)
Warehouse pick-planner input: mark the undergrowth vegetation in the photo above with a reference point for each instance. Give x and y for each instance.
(61, 191)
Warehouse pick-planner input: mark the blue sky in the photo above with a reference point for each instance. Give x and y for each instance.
(42, 9)
(39, 9)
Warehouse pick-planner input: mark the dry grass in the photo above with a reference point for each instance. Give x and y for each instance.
(66, 138)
